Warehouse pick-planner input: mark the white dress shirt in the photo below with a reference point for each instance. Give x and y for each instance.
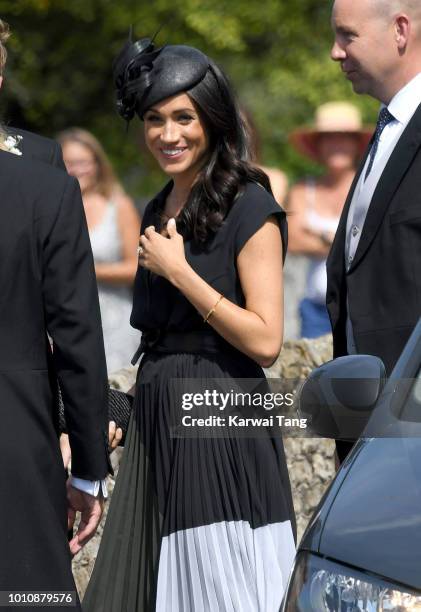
(93, 487)
(402, 106)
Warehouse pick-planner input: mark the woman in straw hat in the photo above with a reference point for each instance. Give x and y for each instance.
(336, 141)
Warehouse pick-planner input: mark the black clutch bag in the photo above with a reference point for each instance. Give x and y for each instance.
(120, 406)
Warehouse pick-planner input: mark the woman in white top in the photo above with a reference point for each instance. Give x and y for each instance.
(336, 141)
(113, 225)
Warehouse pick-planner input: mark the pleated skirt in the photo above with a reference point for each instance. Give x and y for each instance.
(195, 524)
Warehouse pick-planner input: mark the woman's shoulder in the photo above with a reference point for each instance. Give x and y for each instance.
(254, 197)
(121, 200)
(302, 195)
(250, 211)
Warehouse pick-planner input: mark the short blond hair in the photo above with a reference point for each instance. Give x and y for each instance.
(388, 8)
(4, 35)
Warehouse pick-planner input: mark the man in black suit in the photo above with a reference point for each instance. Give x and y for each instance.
(35, 147)
(48, 286)
(374, 280)
(24, 142)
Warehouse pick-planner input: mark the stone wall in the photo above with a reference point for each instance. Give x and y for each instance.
(310, 461)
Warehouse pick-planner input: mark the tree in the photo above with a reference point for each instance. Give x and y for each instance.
(276, 52)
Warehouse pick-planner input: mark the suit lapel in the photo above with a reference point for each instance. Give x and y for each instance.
(395, 169)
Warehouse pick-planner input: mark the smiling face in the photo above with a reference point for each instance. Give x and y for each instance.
(176, 137)
(80, 162)
(366, 46)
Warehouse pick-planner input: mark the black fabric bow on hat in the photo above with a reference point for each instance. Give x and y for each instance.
(131, 70)
(144, 75)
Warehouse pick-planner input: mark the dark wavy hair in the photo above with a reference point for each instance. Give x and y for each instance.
(228, 167)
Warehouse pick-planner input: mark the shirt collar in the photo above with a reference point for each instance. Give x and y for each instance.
(404, 104)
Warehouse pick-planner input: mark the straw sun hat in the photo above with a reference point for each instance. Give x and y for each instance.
(331, 118)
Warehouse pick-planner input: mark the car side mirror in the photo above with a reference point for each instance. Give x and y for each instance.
(338, 397)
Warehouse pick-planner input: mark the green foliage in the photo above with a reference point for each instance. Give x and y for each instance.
(275, 51)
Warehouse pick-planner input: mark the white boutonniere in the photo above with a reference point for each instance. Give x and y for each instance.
(12, 144)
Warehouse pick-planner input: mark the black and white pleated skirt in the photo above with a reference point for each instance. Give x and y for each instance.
(195, 524)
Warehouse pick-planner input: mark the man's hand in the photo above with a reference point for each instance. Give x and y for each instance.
(90, 509)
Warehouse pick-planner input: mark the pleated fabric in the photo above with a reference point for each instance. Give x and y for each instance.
(225, 566)
(195, 524)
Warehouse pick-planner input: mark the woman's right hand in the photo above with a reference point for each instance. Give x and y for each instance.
(115, 435)
(66, 453)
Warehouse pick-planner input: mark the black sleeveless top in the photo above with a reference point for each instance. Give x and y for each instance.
(157, 304)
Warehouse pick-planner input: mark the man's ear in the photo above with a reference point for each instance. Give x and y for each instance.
(402, 31)
(1, 81)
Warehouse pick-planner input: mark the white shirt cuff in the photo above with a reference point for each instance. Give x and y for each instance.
(90, 486)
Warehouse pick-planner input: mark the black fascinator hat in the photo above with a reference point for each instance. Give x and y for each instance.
(145, 75)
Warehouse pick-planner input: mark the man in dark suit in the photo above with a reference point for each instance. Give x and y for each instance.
(48, 286)
(26, 143)
(374, 280)
(35, 147)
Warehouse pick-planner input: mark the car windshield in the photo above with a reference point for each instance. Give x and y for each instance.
(411, 407)
(398, 411)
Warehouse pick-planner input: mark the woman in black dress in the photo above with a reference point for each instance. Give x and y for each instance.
(198, 522)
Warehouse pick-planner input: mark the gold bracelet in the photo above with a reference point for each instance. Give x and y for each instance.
(212, 310)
